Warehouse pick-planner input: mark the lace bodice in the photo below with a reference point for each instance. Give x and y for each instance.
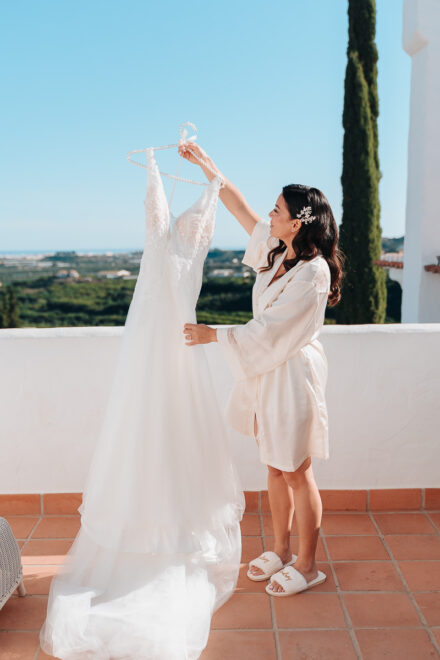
(175, 247)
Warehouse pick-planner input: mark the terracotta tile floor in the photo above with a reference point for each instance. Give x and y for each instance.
(381, 598)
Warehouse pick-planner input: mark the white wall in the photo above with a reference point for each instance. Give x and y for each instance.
(383, 397)
(421, 40)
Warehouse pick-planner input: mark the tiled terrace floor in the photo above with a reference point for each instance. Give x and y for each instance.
(381, 598)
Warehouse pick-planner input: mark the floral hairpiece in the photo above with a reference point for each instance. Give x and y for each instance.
(306, 214)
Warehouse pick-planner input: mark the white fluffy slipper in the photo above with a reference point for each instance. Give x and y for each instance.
(269, 563)
(292, 581)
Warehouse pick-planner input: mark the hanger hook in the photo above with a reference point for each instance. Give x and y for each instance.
(184, 132)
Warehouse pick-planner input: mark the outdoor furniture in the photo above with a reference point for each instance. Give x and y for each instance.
(11, 571)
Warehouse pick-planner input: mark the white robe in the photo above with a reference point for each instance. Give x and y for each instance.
(279, 366)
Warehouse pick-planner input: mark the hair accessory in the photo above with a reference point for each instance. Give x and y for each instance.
(306, 214)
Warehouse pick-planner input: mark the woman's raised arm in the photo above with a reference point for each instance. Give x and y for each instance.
(230, 195)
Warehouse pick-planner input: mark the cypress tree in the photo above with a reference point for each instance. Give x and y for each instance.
(364, 287)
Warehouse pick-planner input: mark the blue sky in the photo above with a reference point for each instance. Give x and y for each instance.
(84, 82)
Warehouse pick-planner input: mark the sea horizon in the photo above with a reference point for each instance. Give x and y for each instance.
(91, 251)
(82, 251)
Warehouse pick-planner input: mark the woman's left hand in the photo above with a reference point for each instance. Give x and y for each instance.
(199, 333)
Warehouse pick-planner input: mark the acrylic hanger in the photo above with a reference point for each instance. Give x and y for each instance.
(183, 140)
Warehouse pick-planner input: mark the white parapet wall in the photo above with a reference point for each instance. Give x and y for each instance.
(383, 397)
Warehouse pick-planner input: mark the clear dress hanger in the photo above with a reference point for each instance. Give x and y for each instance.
(183, 140)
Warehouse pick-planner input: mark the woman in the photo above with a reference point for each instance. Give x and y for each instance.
(279, 365)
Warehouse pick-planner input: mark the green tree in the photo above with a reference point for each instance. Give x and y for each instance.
(12, 320)
(3, 315)
(364, 294)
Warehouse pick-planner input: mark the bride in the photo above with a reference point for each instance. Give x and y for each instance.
(279, 364)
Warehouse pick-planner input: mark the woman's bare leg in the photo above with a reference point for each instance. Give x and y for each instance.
(282, 508)
(308, 508)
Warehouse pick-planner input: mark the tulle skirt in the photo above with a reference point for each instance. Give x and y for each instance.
(159, 545)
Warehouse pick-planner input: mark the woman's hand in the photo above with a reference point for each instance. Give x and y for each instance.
(229, 194)
(199, 333)
(188, 150)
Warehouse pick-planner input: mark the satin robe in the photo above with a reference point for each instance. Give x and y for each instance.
(278, 364)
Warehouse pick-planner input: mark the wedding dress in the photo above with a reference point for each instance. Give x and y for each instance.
(159, 545)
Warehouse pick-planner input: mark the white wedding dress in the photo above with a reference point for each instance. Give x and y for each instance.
(159, 546)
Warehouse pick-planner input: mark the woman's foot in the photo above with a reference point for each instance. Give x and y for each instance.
(285, 556)
(308, 573)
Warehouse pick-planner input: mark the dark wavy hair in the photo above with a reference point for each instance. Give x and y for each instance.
(320, 235)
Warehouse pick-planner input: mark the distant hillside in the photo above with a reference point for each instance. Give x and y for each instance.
(226, 256)
(392, 244)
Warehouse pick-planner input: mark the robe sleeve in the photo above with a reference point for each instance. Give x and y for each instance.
(277, 335)
(258, 246)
